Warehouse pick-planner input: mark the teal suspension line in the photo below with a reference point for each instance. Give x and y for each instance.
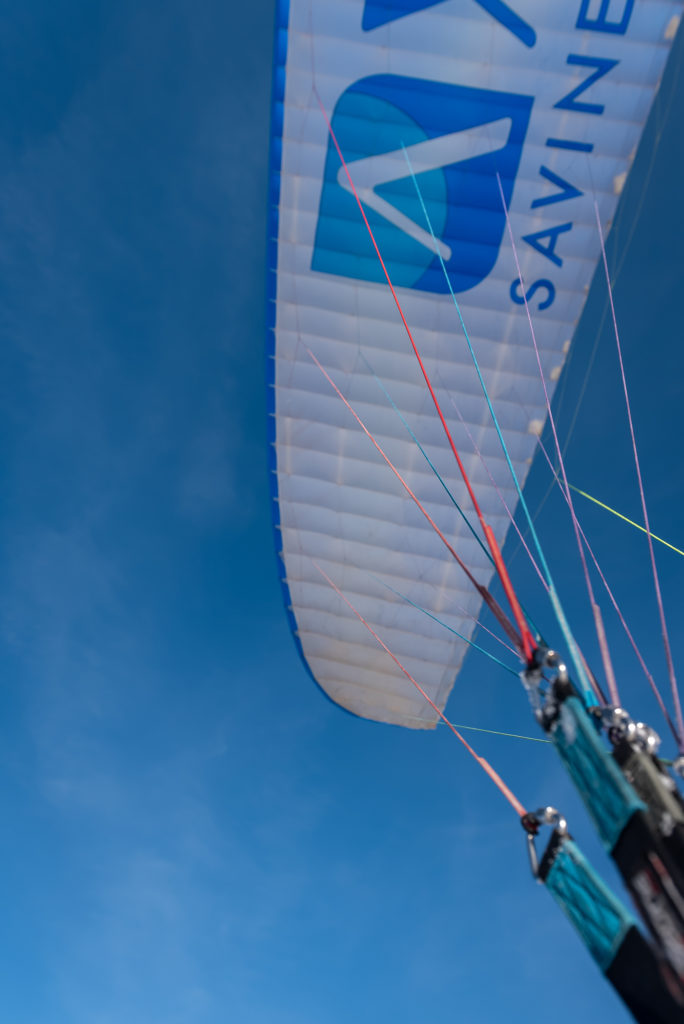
(553, 593)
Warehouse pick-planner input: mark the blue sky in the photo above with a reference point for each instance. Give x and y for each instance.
(191, 833)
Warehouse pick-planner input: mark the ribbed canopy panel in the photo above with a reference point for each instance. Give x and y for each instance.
(552, 98)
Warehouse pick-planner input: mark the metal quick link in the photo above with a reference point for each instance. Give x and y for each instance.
(607, 795)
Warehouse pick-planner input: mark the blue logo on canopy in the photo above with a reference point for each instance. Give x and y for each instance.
(457, 140)
(380, 12)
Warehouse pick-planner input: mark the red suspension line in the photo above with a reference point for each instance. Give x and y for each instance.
(491, 603)
(528, 643)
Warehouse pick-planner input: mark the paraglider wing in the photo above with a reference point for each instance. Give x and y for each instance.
(541, 103)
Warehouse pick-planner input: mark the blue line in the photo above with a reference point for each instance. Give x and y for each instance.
(440, 623)
(436, 472)
(427, 457)
(553, 594)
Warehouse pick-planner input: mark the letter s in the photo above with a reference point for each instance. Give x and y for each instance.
(543, 282)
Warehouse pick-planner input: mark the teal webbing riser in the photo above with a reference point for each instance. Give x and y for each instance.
(611, 935)
(608, 797)
(600, 918)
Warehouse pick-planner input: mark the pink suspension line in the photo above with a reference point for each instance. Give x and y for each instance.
(491, 603)
(613, 600)
(642, 495)
(528, 643)
(485, 765)
(588, 671)
(598, 620)
(501, 497)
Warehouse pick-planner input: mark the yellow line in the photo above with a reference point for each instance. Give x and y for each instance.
(630, 521)
(510, 735)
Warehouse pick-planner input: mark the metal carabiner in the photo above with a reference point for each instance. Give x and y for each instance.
(532, 822)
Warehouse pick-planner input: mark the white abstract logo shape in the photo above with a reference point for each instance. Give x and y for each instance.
(371, 171)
